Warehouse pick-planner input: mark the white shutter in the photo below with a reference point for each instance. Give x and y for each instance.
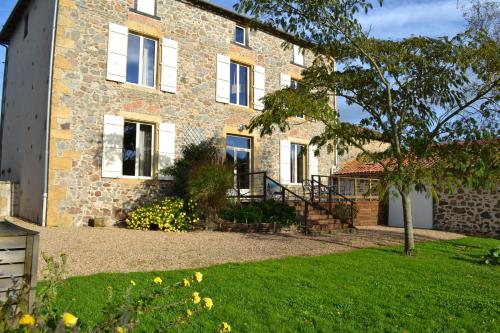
(169, 57)
(117, 53)
(285, 81)
(313, 162)
(223, 78)
(166, 148)
(112, 146)
(285, 162)
(298, 55)
(146, 6)
(259, 87)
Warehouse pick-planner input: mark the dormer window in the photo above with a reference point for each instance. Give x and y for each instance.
(146, 6)
(240, 35)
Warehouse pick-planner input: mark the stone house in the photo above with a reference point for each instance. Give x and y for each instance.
(100, 95)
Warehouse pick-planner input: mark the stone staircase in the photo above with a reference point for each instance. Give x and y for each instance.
(318, 220)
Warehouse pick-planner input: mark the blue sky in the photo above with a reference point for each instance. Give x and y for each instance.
(396, 19)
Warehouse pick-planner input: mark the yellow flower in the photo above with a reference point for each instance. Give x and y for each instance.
(198, 277)
(196, 298)
(157, 280)
(208, 303)
(132, 282)
(120, 329)
(186, 283)
(189, 313)
(27, 320)
(69, 320)
(225, 327)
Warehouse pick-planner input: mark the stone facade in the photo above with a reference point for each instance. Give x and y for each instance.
(468, 211)
(82, 96)
(9, 199)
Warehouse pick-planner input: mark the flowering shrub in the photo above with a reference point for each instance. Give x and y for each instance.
(170, 214)
(493, 256)
(119, 317)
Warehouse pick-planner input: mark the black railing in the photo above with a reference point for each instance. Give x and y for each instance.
(326, 192)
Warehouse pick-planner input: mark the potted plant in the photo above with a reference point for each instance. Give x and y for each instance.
(343, 211)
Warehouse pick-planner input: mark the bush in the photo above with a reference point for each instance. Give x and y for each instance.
(192, 155)
(342, 211)
(271, 211)
(170, 214)
(493, 257)
(208, 185)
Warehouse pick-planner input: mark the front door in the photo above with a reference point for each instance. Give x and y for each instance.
(239, 152)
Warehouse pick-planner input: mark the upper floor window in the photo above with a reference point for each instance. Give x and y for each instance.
(146, 6)
(26, 25)
(298, 55)
(141, 61)
(294, 84)
(239, 84)
(240, 35)
(137, 149)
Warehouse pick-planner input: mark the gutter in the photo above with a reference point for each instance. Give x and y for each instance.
(4, 85)
(49, 111)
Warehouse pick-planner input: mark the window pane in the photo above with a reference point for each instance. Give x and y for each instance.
(301, 163)
(240, 35)
(129, 149)
(238, 142)
(133, 59)
(148, 63)
(145, 143)
(243, 168)
(243, 85)
(234, 83)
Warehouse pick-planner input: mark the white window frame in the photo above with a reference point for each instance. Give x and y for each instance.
(244, 35)
(137, 141)
(294, 164)
(140, 11)
(141, 62)
(238, 84)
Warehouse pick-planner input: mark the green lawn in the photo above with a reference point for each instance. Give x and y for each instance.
(444, 288)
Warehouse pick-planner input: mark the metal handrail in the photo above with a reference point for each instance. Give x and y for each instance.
(330, 194)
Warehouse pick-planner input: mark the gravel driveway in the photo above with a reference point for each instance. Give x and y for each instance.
(95, 250)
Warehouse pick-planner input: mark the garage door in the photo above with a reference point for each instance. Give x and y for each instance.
(421, 211)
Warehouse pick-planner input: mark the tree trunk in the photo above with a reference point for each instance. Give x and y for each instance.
(408, 220)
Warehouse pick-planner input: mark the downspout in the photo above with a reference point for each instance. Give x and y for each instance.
(4, 85)
(49, 109)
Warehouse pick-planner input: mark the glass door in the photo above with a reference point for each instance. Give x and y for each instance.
(239, 153)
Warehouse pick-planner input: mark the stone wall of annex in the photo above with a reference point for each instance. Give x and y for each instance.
(469, 211)
(82, 96)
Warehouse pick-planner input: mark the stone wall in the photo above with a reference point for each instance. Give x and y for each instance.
(469, 211)
(9, 199)
(82, 96)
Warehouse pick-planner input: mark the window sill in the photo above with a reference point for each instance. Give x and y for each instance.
(241, 45)
(236, 107)
(139, 87)
(298, 65)
(133, 10)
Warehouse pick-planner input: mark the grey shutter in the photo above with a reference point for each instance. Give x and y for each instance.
(117, 53)
(223, 78)
(166, 148)
(169, 60)
(285, 167)
(112, 146)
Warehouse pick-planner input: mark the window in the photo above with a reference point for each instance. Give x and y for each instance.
(240, 35)
(137, 149)
(239, 84)
(297, 163)
(239, 153)
(294, 84)
(141, 61)
(146, 6)
(26, 25)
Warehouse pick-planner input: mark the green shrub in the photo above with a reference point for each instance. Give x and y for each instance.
(342, 211)
(271, 211)
(208, 185)
(170, 214)
(192, 155)
(493, 256)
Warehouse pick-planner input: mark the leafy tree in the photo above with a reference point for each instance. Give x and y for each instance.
(416, 93)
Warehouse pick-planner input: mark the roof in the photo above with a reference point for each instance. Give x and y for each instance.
(11, 23)
(357, 167)
(18, 11)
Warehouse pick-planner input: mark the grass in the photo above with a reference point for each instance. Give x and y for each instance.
(445, 288)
